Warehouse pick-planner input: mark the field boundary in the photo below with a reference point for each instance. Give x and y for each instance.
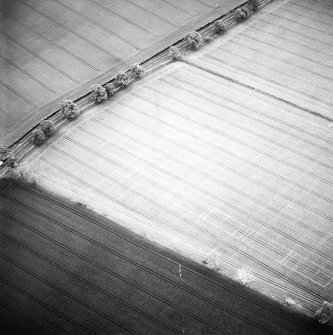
(160, 58)
(81, 91)
(238, 82)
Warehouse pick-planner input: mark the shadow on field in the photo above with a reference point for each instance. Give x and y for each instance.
(65, 269)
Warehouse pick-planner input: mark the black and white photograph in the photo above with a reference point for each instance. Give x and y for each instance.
(166, 167)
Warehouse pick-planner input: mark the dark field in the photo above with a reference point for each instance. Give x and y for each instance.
(67, 270)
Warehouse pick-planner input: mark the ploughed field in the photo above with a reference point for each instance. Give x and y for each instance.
(223, 174)
(66, 270)
(53, 47)
(286, 51)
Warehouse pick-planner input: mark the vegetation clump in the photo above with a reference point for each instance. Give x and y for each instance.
(3, 153)
(137, 71)
(195, 40)
(242, 14)
(207, 39)
(325, 313)
(175, 53)
(219, 27)
(47, 127)
(122, 80)
(99, 93)
(69, 109)
(38, 136)
(12, 160)
(6, 154)
(253, 5)
(110, 89)
(291, 303)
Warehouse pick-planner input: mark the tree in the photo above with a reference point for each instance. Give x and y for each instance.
(207, 39)
(253, 5)
(3, 153)
(175, 53)
(220, 27)
(12, 160)
(98, 93)
(110, 89)
(325, 313)
(38, 136)
(68, 109)
(122, 80)
(47, 127)
(195, 40)
(242, 14)
(137, 71)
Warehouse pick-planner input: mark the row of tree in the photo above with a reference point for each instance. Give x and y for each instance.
(99, 93)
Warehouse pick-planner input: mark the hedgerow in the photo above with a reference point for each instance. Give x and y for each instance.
(98, 93)
(69, 109)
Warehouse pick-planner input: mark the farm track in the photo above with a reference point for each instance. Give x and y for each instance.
(120, 255)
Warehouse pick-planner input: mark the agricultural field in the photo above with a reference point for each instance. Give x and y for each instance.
(287, 51)
(52, 49)
(225, 175)
(224, 158)
(66, 270)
